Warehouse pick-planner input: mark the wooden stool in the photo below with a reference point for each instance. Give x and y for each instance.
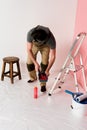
(11, 73)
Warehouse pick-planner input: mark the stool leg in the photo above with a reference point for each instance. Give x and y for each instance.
(18, 69)
(11, 72)
(3, 71)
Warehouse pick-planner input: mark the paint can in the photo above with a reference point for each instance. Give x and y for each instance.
(79, 108)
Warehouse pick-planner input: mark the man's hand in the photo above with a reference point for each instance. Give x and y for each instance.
(37, 66)
(47, 73)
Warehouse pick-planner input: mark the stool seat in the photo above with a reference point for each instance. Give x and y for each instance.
(11, 73)
(10, 59)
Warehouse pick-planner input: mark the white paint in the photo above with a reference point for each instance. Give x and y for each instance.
(19, 110)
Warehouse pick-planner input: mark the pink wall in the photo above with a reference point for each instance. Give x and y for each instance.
(81, 26)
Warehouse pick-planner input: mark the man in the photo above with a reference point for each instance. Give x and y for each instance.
(40, 39)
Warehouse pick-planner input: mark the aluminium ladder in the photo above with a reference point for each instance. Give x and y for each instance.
(69, 65)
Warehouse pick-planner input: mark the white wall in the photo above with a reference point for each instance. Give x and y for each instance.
(17, 17)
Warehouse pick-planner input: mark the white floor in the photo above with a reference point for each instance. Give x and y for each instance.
(20, 111)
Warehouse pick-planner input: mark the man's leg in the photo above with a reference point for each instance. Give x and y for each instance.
(32, 72)
(30, 65)
(44, 63)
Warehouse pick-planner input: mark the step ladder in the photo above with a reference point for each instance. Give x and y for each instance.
(69, 65)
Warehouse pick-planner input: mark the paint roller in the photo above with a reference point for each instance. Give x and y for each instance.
(81, 97)
(75, 95)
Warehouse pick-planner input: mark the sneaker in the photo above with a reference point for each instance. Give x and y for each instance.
(42, 77)
(30, 81)
(43, 88)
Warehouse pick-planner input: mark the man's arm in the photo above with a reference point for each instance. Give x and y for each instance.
(29, 51)
(51, 60)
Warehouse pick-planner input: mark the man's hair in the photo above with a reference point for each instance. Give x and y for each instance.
(39, 35)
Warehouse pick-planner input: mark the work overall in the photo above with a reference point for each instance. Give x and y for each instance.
(44, 51)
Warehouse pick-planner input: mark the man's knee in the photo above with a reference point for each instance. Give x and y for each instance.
(43, 67)
(30, 67)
